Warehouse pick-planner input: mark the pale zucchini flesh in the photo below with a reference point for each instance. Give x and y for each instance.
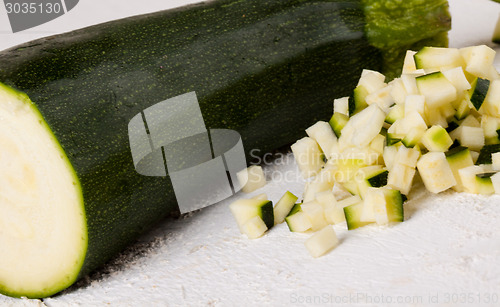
(43, 235)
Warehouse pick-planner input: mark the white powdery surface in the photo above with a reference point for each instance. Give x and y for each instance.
(447, 246)
(445, 253)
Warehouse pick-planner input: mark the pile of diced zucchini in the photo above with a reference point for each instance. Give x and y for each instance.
(441, 117)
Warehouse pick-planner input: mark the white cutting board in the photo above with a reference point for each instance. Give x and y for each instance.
(447, 252)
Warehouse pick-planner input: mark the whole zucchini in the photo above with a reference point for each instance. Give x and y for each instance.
(70, 198)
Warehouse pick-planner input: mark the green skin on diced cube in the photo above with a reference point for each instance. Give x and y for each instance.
(267, 214)
(391, 139)
(434, 75)
(451, 126)
(495, 140)
(411, 139)
(420, 57)
(379, 179)
(457, 152)
(485, 153)
(394, 114)
(357, 101)
(337, 122)
(440, 138)
(394, 200)
(484, 183)
(353, 215)
(456, 143)
(463, 110)
(478, 92)
(296, 208)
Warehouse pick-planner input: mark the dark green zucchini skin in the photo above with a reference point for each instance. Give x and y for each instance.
(267, 69)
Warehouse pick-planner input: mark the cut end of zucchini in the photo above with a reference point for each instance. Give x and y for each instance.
(42, 222)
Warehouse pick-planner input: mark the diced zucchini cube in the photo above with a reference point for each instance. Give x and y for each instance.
(390, 210)
(378, 144)
(413, 137)
(322, 242)
(484, 184)
(470, 121)
(251, 179)
(472, 137)
(435, 172)
(486, 152)
(396, 112)
(463, 109)
(296, 208)
(334, 214)
(436, 139)
(410, 84)
(474, 155)
(323, 134)
(382, 98)
(409, 62)
(437, 90)
(478, 60)
(457, 77)
(490, 127)
(468, 177)
(326, 199)
(346, 202)
(364, 127)
(377, 178)
(390, 153)
(347, 168)
(393, 138)
(308, 156)
(372, 196)
(315, 213)
(495, 180)
(401, 177)
(351, 200)
(437, 58)
(411, 121)
(407, 156)
(319, 184)
(478, 92)
(245, 209)
(371, 80)
(495, 159)
(298, 222)
(415, 103)
(383, 206)
(341, 105)
(357, 102)
(447, 110)
(254, 227)
(372, 176)
(458, 158)
(337, 122)
(434, 117)
(283, 207)
(398, 91)
(491, 105)
(353, 216)
(351, 186)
